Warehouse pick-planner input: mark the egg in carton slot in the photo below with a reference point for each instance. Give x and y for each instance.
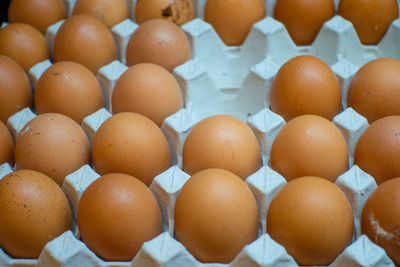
(229, 80)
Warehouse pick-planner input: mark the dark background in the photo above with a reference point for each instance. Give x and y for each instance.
(3, 10)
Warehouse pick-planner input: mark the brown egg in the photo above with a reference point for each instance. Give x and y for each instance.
(177, 11)
(375, 89)
(309, 145)
(312, 219)
(378, 149)
(68, 88)
(15, 89)
(133, 144)
(33, 211)
(24, 44)
(303, 18)
(160, 42)
(147, 89)
(233, 19)
(86, 40)
(6, 145)
(52, 144)
(215, 216)
(370, 18)
(223, 142)
(116, 215)
(110, 12)
(37, 13)
(381, 216)
(305, 85)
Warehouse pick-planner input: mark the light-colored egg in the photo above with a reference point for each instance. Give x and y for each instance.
(68, 88)
(116, 215)
(160, 42)
(375, 89)
(86, 40)
(6, 145)
(233, 19)
(309, 145)
(177, 11)
(215, 215)
(33, 211)
(37, 13)
(147, 89)
(23, 43)
(110, 12)
(378, 149)
(305, 85)
(132, 144)
(303, 18)
(312, 219)
(15, 89)
(223, 142)
(381, 216)
(370, 18)
(52, 144)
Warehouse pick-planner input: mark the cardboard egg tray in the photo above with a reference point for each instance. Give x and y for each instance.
(234, 81)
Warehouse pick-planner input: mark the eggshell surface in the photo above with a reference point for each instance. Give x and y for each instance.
(224, 142)
(309, 145)
(304, 18)
(147, 89)
(370, 18)
(24, 44)
(378, 149)
(70, 89)
(116, 215)
(132, 144)
(15, 89)
(233, 19)
(33, 211)
(215, 215)
(381, 216)
(375, 89)
(305, 85)
(312, 219)
(86, 40)
(52, 144)
(6, 145)
(37, 13)
(160, 42)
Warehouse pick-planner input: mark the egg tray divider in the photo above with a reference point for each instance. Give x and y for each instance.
(235, 81)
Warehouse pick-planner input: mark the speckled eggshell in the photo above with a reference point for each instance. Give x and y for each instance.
(116, 215)
(6, 145)
(132, 144)
(15, 89)
(224, 142)
(160, 42)
(305, 85)
(215, 215)
(312, 219)
(33, 211)
(38, 13)
(381, 216)
(110, 12)
(309, 145)
(378, 149)
(68, 88)
(52, 144)
(375, 89)
(370, 18)
(23, 43)
(86, 40)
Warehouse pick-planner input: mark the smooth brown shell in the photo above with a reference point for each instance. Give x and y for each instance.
(215, 215)
(15, 88)
(380, 219)
(116, 215)
(33, 211)
(6, 145)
